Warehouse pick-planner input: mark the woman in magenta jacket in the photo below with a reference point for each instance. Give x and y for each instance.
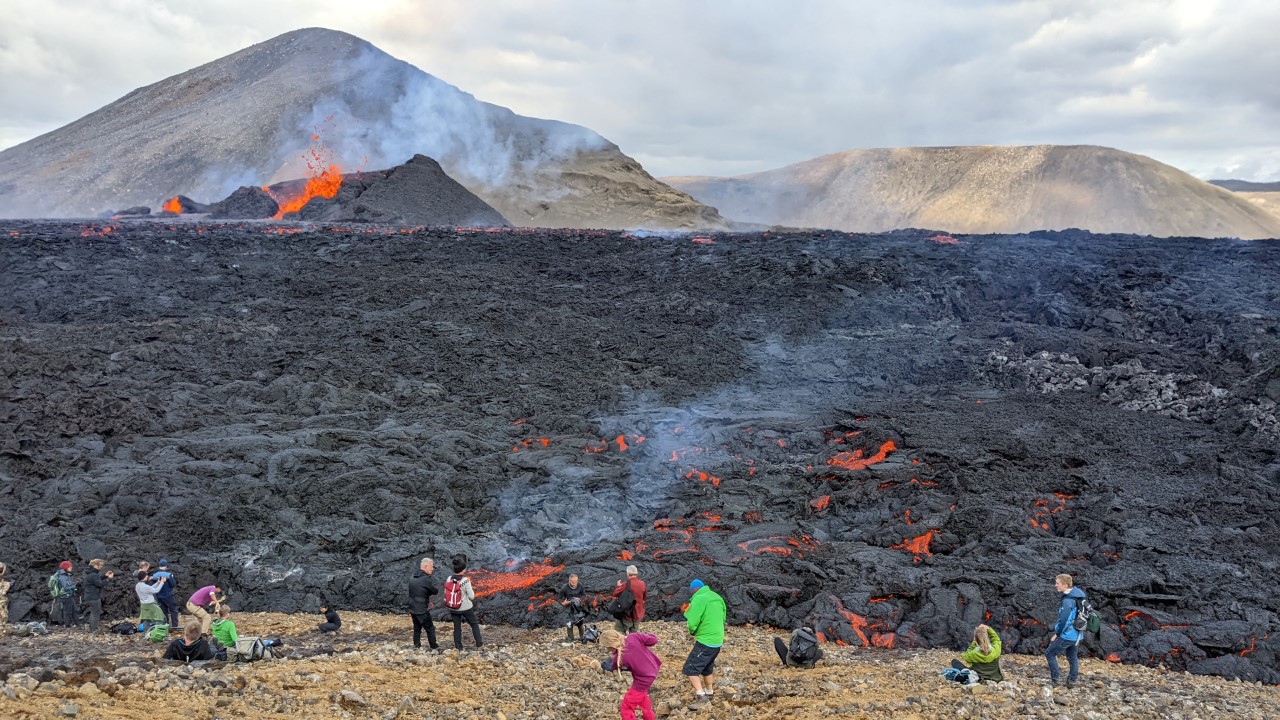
(632, 652)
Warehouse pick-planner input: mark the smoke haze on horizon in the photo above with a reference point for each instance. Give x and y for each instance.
(731, 88)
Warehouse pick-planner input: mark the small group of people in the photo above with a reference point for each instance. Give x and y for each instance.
(981, 661)
(632, 650)
(459, 599)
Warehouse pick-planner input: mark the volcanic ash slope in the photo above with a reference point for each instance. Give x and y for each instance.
(249, 119)
(986, 189)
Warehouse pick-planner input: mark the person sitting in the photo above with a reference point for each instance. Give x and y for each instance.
(191, 646)
(983, 655)
(224, 631)
(331, 620)
(801, 649)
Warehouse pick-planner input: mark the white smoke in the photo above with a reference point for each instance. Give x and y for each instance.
(384, 111)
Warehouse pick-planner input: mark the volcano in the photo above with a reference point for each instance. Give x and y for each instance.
(251, 118)
(985, 190)
(891, 437)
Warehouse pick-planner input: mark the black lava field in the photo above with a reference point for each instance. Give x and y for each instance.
(893, 436)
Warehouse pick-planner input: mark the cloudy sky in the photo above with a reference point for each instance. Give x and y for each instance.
(727, 87)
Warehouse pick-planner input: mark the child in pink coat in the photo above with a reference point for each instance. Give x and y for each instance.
(632, 652)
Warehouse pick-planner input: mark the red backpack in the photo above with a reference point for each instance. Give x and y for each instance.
(453, 592)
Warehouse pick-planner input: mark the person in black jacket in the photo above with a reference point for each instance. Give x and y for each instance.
(191, 646)
(94, 581)
(331, 620)
(572, 597)
(421, 588)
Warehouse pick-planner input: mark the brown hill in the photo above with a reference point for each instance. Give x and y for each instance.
(249, 118)
(985, 189)
(1268, 201)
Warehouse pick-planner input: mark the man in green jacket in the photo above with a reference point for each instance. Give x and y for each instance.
(706, 616)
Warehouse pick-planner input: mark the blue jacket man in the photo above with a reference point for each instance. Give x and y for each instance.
(1066, 638)
(164, 598)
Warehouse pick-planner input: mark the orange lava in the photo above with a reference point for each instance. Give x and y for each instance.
(944, 239)
(324, 184)
(918, 546)
(172, 205)
(820, 503)
(701, 476)
(857, 459)
(489, 582)
(1113, 657)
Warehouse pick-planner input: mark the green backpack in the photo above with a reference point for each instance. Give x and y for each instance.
(55, 586)
(159, 633)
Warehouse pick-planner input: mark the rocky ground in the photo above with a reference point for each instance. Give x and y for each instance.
(370, 670)
(893, 437)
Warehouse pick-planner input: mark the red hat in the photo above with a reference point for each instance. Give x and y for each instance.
(65, 565)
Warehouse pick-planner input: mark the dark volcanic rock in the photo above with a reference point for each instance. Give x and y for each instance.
(139, 210)
(891, 437)
(246, 203)
(415, 193)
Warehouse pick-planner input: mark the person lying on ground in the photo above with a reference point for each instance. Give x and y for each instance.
(191, 646)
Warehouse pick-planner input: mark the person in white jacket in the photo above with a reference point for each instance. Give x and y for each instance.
(466, 610)
(149, 612)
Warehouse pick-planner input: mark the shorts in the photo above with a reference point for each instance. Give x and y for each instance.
(701, 660)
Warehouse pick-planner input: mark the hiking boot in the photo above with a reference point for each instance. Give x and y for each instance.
(1071, 684)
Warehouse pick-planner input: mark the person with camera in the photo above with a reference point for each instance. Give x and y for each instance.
(572, 599)
(94, 581)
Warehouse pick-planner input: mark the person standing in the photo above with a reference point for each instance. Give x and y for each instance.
(94, 581)
(705, 617)
(571, 597)
(459, 586)
(64, 589)
(5, 584)
(168, 605)
(421, 588)
(201, 602)
(630, 621)
(1066, 638)
(149, 612)
(632, 652)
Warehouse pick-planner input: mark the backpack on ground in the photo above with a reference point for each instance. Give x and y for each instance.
(804, 647)
(621, 606)
(158, 634)
(124, 628)
(55, 586)
(591, 634)
(1087, 618)
(453, 592)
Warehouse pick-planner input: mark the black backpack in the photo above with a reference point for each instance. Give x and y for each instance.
(1086, 619)
(621, 606)
(124, 628)
(804, 647)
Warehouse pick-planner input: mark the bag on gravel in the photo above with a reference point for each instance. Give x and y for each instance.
(158, 634)
(591, 634)
(124, 628)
